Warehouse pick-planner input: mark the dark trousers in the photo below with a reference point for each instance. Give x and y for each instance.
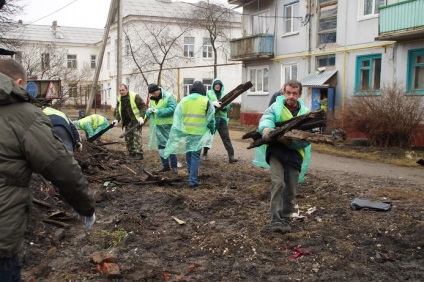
(10, 269)
(172, 158)
(225, 137)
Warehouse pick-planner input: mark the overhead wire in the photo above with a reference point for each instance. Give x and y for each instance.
(53, 12)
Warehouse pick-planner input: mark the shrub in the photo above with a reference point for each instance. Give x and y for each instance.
(389, 119)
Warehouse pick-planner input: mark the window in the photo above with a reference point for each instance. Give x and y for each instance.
(326, 60)
(72, 90)
(108, 60)
(415, 75)
(327, 29)
(260, 23)
(72, 61)
(18, 56)
(127, 46)
(370, 7)
(207, 48)
(291, 21)
(189, 47)
(93, 61)
(207, 82)
(259, 78)
(368, 73)
(288, 72)
(45, 61)
(187, 83)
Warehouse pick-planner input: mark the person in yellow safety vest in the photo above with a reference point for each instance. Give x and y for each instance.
(221, 119)
(284, 159)
(192, 129)
(64, 128)
(130, 110)
(92, 124)
(323, 103)
(161, 113)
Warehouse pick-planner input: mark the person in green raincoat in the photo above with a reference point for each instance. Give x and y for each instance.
(161, 112)
(191, 129)
(91, 124)
(221, 119)
(285, 159)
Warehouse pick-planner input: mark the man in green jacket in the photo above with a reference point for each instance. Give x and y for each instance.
(28, 145)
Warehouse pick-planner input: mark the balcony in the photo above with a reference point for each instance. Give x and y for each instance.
(253, 47)
(402, 21)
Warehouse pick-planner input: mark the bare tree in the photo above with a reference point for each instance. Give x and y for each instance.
(49, 62)
(154, 46)
(216, 19)
(8, 12)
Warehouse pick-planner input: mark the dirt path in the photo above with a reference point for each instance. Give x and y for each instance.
(322, 164)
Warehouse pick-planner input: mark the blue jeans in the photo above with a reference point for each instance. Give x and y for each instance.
(172, 158)
(10, 269)
(193, 161)
(284, 181)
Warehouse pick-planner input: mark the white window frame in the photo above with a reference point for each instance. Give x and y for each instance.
(290, 70)
(186, 86)
(207, 82)
(260, 23)
(93, 61)
(291, 19)
(324, 16)
(373, 14)
(108, 60)
(207, 48)
(71, 61)
(260, 81)
(189, 47)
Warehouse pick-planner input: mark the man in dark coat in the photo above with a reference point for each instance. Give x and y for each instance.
(28, 145)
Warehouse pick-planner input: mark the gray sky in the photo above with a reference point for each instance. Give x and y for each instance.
(76, 13)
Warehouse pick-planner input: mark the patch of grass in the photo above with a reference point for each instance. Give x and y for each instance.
(111, 238)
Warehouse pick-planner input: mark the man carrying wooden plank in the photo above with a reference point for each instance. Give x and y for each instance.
(221, 119)
(285, 158)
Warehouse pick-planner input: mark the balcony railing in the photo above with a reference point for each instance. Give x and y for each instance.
(402, 21)
(253, 47)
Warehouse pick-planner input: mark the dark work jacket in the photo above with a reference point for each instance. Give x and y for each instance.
(28, 145)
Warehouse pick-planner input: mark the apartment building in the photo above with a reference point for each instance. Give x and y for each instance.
(336, 48)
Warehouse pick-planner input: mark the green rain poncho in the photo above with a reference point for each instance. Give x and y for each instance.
(161, 121)
(268, 120)
(180, 140)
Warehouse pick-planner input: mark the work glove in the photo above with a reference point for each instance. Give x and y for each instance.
(89, 221)
(152, 110)
(266, 132)
(216, 104)
(78, 145)
(140, 121)
(115, 122)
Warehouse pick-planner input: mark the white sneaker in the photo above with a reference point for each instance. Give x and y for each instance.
(205, 157)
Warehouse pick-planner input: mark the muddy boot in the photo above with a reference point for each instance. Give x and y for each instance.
(231, 160)
(281, 227)
(138, 156)
(164, 169)
(174, 170)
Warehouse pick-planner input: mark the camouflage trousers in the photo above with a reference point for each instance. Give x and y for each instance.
(133, 140)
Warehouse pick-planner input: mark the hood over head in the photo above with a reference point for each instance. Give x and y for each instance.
(198, 87)
(153, 87)
(10, 92)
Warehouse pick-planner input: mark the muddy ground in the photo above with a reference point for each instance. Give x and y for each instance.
(225, 233)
